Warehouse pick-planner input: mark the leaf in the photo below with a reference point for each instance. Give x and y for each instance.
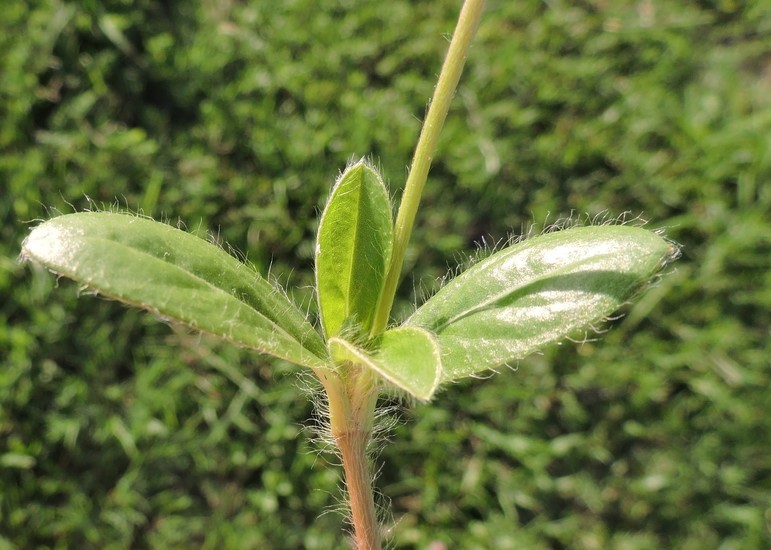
(353, 248)
(178, 276)
(538, 291)
(408, 357)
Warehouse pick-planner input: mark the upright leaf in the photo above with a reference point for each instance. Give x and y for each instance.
(353, 248)
(408, 357)
(538, 291)
(178, 276)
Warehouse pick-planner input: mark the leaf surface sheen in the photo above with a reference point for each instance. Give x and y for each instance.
(178, 276)
(353, 248)
(538, 291)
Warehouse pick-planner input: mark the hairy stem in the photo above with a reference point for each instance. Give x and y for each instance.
(352, 400)
(468, 21)
(358, 481)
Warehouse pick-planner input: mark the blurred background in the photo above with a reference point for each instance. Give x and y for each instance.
(233, 118)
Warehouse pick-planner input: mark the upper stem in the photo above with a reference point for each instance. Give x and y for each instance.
(468, 21)
(353, 396)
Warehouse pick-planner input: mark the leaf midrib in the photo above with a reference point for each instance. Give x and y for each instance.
(356, 238)
(211, 286)
(489, 302)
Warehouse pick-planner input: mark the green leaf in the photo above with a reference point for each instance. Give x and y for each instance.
(178, 276)
(538, 291)
(353, 248)
(408, 357)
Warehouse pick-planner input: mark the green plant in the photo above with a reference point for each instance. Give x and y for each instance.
(505, 307)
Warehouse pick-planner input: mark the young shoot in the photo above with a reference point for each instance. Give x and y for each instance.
(514, 302)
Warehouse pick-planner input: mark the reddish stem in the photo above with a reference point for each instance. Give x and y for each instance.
(353, 450)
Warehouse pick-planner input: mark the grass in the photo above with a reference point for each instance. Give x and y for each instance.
(118, 431)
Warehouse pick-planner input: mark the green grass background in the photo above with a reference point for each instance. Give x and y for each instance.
(234, 118)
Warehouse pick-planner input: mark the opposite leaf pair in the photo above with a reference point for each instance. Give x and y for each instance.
(500, 310)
